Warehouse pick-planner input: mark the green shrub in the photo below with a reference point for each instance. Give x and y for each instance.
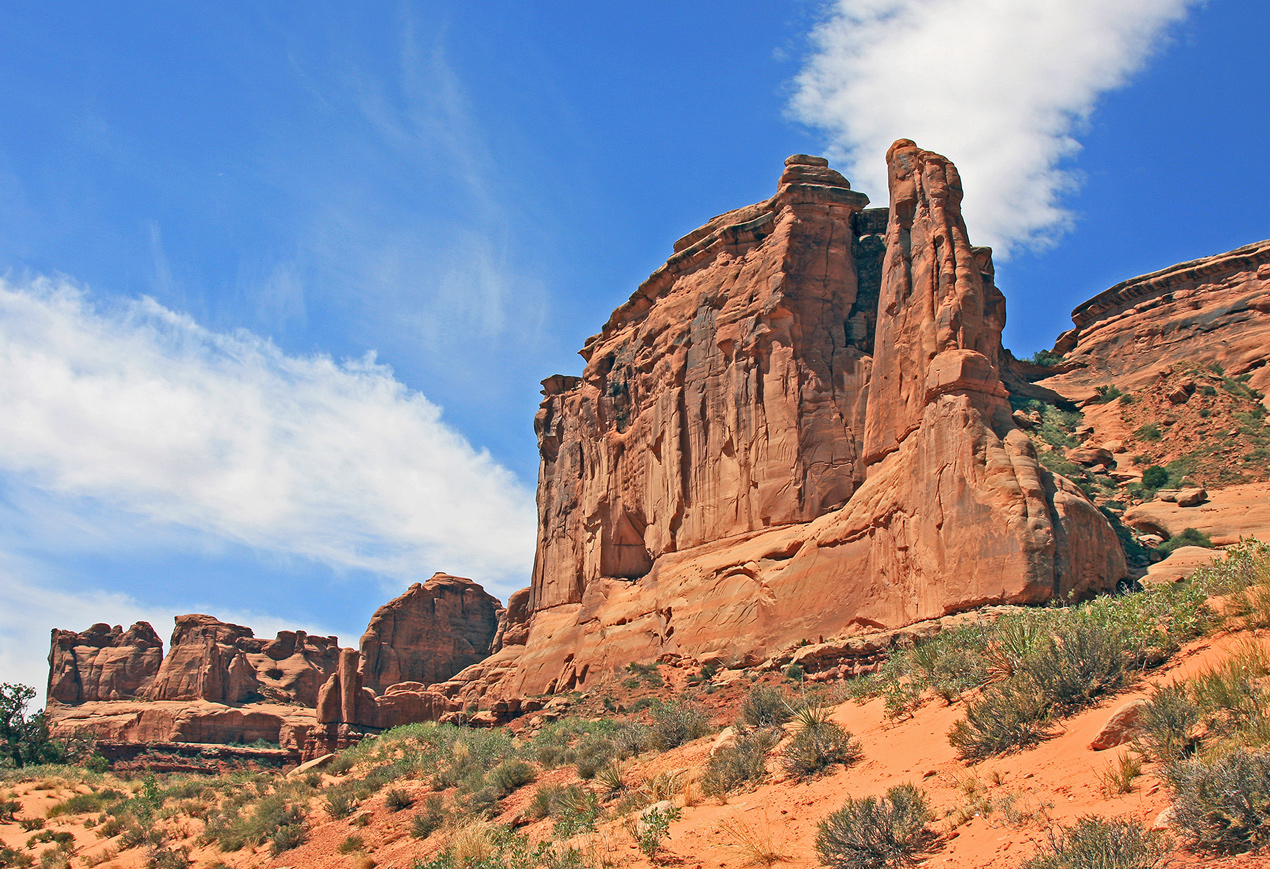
(676, 723)
(352, 842)
(428, 819)
(575, 809)
(1006, 718)
(1186, 537)
(480, 803)
(593, 754)
(631, 739)
(24, 739)
(233, 829)
(1222, 803)
(736, 765)
(8, 807)
(1082, 659)
(1165, 724)
(1155, 477)
(339, 804)
(818, 743)
(611, 779)
(1106, 394)
(653, 828)
(644, 674)
(397, 799)
(511, 774)
(875, 833)
(1148, 432)
(1045, 358)
(764, 706)
(10, 857)
(287, 837)
(1103, 843)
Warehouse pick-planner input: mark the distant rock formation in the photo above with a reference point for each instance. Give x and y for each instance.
(225, 663)
(1215, 309)
(429, 633)
(103, 663)
(769, 444)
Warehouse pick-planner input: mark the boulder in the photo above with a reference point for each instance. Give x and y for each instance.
(1091, 456)
(103, 663)
(429, 633)
(1121, 727)
(1191, 497)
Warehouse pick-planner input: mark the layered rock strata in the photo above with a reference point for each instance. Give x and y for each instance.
(1215, 309)
(760, 451)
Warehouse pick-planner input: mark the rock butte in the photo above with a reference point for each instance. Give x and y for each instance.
(766, 446)
(797, 428)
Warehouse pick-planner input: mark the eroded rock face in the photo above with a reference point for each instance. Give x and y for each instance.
(759, 453)
(726, 396)
(1215, 309)
(223, 663)
(103, 663)
(428, 634)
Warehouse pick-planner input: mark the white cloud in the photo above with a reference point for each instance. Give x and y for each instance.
(1000, 87)
(142, 409)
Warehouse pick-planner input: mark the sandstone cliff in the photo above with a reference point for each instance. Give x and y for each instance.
(103, 663)
(1215, 309)
(765, 448)
(429, 633)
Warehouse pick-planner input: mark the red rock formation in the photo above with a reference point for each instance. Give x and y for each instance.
(1215, 309)
(428, 634)
(103, 663)
(748, 461)
(726, 396)
(223, 663)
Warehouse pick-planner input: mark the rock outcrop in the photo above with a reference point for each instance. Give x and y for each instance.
(103, 663)
(224, 663)
(429, 633)
(1215, 309)
(765, 445)
(725, 397)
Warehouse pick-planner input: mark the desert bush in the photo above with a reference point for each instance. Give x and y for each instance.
(510, 775)
(1148, 432)
(817, 744)
(1222, 803)
(397, 799)
(82, 804)
(1165, 724)
(1155, 477)
(612, 779)
(352, 842)
(652, 829)
(287, 837)
(167, 858)
(1006, 717)
(631, 739)
(764, 706)
(1082, 659)
(480, 803)
(10, 857)
(1103, 843)
(875, 833)
(8, 808)
(676, 723)
(593, 753)
(1186, 537)
(644, 674)
(234, 829)
(340, 804)
(429, 818)
(736, 765)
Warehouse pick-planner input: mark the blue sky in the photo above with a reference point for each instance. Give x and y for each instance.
(280, 282)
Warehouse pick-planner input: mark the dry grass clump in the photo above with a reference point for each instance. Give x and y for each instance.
(741, 763)
(428, 819)
(876, 832)
(1115, 843)
(818, 743)
(754, 842)
(1222, 803)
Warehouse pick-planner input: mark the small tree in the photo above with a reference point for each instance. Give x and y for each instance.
(24, 739)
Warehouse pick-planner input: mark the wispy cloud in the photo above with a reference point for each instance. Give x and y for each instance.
(1001, 87)
(140, 408)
